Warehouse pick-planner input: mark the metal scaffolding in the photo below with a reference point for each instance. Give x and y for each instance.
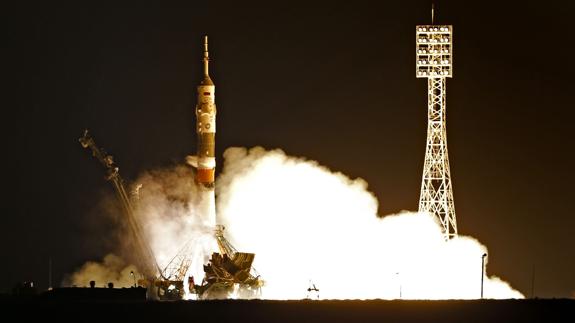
(147, 261)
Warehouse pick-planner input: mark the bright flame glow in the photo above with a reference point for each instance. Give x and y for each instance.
(305, 223)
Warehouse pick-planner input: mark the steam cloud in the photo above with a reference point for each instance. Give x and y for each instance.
(308, 224)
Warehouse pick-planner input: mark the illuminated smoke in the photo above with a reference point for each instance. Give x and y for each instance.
(112, 269)
(171, 209)
(305, 223)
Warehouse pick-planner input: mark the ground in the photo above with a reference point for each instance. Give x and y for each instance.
(531, 310)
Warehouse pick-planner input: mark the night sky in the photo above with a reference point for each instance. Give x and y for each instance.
(330, 82)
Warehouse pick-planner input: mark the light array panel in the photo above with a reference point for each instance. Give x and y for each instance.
(434, 51)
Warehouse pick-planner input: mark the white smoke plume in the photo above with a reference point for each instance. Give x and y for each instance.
(112, 269)
(306, 223)
(168, 209)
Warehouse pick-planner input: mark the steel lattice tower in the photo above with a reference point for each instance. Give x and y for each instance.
(434, 62)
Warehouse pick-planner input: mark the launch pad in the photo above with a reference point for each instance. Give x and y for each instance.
(227, 272)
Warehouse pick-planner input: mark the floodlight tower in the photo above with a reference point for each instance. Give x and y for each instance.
(434, 58)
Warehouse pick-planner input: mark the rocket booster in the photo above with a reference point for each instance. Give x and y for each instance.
(206, 127)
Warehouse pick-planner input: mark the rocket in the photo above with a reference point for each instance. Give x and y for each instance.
(205, 161)
(205, 164)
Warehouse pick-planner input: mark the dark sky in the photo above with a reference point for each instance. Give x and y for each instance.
(331, 82)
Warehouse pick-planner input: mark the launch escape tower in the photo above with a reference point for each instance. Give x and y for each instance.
(434, 58)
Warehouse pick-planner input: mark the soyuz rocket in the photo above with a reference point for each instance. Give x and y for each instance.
(205, 160)
(205, 164)
(206, 126)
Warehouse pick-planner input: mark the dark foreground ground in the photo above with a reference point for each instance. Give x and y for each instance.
(531, 310)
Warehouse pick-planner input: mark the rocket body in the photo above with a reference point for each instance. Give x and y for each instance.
(205, 159)
(206, 128)
(206, 131)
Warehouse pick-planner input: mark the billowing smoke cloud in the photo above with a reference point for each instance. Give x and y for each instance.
(112, 269)
(168, 209)
(306, 223)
